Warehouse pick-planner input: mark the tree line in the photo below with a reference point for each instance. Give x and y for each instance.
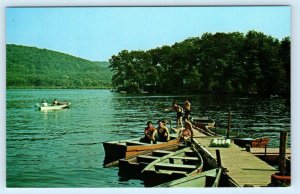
(31, 67)
(213, 63)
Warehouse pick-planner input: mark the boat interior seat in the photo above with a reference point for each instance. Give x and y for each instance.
(184, 160)
(145, 158)
(175, 167)
(160, 153)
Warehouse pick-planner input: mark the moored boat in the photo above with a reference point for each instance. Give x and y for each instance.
(209, 178)
(179, 164)
(132, 167)
(255, 143)
(203, 122)
(115, 150)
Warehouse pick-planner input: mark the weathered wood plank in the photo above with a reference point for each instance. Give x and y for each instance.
(243, 167)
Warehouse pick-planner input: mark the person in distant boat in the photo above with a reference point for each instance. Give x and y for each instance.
(179, 110)
(149, 133)
(187, 110)
(162, 132)
(44, 103)
(187, 133)
(55, 102)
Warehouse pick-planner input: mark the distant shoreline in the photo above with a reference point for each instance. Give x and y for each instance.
(56, 88)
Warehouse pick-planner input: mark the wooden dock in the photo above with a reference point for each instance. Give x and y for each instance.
(243, 168)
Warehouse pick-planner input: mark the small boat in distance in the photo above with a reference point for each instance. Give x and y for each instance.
(59, 106)
(182, 163)
(209, 178)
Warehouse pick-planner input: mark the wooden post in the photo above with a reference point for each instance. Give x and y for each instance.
(248, 148)
(282, 152)
(229, 125)
(215, 128)
(265, 152)
(219, 162)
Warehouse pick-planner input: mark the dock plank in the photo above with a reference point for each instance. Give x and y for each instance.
(243, 167)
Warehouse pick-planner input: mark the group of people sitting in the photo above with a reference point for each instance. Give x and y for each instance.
(162, 133)
(152, 134)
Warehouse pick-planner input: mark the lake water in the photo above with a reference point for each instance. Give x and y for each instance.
(63, 148)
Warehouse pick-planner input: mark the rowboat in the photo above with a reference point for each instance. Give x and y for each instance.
(258, 142)
(115, 150)
(132, 167)
(209, 178)
(203, 122)
(54, 107)
(179, 164)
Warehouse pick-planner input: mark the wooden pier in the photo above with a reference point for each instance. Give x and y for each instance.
(242, 167)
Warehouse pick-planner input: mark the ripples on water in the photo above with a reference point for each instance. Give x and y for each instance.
(63, 148)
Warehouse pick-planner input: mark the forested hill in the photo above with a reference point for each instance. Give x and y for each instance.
(41, 68)
(213, 63)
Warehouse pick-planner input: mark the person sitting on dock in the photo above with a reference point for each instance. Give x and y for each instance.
(149, 133)
(178, 109)
(187, 133)
(162, 132)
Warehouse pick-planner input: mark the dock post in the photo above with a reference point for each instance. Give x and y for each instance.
(282, 152)
(215, 128)
(218, 157)
(229, 125)
(265, 152)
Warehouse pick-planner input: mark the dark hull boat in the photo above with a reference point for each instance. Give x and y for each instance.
(255, 143)
(203, 122)
(115, 150)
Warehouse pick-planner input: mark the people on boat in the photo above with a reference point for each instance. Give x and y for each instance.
(179, 113)
(187, 110)
(55, 102)
(162, 132)
(149, 133)
(44, 103)
(187, 133)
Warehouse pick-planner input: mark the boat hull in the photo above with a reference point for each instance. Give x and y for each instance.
(182, 163)
(132, 167)
(127, 148)
(56, 107)
(209, 178)
(255, 143)
(203, 122)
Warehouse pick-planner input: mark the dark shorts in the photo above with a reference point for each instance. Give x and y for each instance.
(179, 114)
(187, 112)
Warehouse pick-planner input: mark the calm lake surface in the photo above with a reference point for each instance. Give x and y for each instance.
(63, 148)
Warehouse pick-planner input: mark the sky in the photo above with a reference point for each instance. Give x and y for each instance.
(97, 33)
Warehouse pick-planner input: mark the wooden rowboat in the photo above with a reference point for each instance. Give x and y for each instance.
(131, 167)
(209, 178)
(203, 122)
(115, 150)
(179, 164)
(54, 107)
(255, 143)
